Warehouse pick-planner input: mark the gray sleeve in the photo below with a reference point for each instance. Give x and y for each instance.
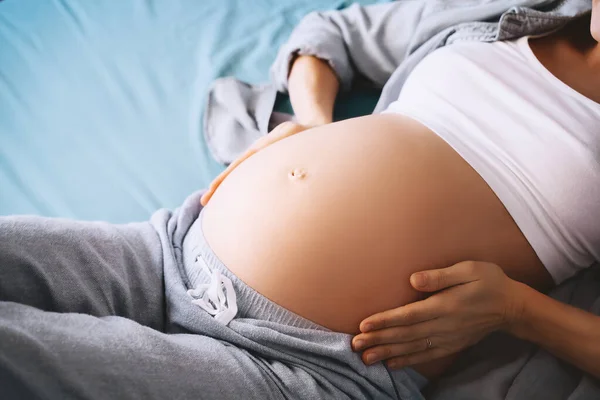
(370, 41)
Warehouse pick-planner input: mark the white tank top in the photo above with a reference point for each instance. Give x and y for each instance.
(531, 137)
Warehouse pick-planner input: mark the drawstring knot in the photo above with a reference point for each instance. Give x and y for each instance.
(217, 297)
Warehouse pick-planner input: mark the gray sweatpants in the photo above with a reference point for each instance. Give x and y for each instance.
(101, 311)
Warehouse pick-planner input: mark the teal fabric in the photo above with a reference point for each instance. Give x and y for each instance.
(101, 101)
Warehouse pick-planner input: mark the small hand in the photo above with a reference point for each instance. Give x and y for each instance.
(281, 131)
(474, 299)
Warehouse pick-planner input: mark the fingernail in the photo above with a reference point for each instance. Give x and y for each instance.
(367, 327)
(371, 358)
(420, 280)
(358, 344)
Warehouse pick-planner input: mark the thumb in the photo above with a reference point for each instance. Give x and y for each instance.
(438, 279)
(285, 129)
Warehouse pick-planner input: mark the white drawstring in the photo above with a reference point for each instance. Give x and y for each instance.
(217, 297)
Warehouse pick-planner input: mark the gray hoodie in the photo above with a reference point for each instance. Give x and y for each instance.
(377, 45)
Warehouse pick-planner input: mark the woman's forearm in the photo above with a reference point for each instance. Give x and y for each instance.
(312, 86)
(568, 332)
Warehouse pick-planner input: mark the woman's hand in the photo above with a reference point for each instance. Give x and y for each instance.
(281, 131)
(474, 299)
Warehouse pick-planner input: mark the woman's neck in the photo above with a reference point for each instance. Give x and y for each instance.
(578, 37)
(573, 56)
(592, 57)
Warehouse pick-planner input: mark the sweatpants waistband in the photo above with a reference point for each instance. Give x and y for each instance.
(197, 253)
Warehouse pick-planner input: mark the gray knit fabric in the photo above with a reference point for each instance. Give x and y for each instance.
(91, 310)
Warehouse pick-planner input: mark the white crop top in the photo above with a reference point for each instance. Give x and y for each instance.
(531, 137)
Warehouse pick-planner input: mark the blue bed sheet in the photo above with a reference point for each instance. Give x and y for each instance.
(101, 101)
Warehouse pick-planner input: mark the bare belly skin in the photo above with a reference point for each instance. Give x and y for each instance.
(331, 222)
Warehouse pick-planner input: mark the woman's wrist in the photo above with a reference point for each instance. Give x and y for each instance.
(315, 120)
(566, 331)
(517, 309)
(529, 310)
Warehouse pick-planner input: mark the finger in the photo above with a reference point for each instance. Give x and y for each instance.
(260, 144)
(438, 279)
(205, 198)
(403, 334)
(409, 314)
(417, 358)
(397, 334)
(211, 189)
(380, 353)
(285, 129)
(280, 132)
(221, 177)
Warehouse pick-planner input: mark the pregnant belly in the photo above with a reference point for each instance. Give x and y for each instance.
(331, 222)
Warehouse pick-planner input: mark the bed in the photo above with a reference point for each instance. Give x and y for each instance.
(101, 102)
(101, 107)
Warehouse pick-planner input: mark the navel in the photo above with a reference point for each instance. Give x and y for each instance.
(297, 174)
